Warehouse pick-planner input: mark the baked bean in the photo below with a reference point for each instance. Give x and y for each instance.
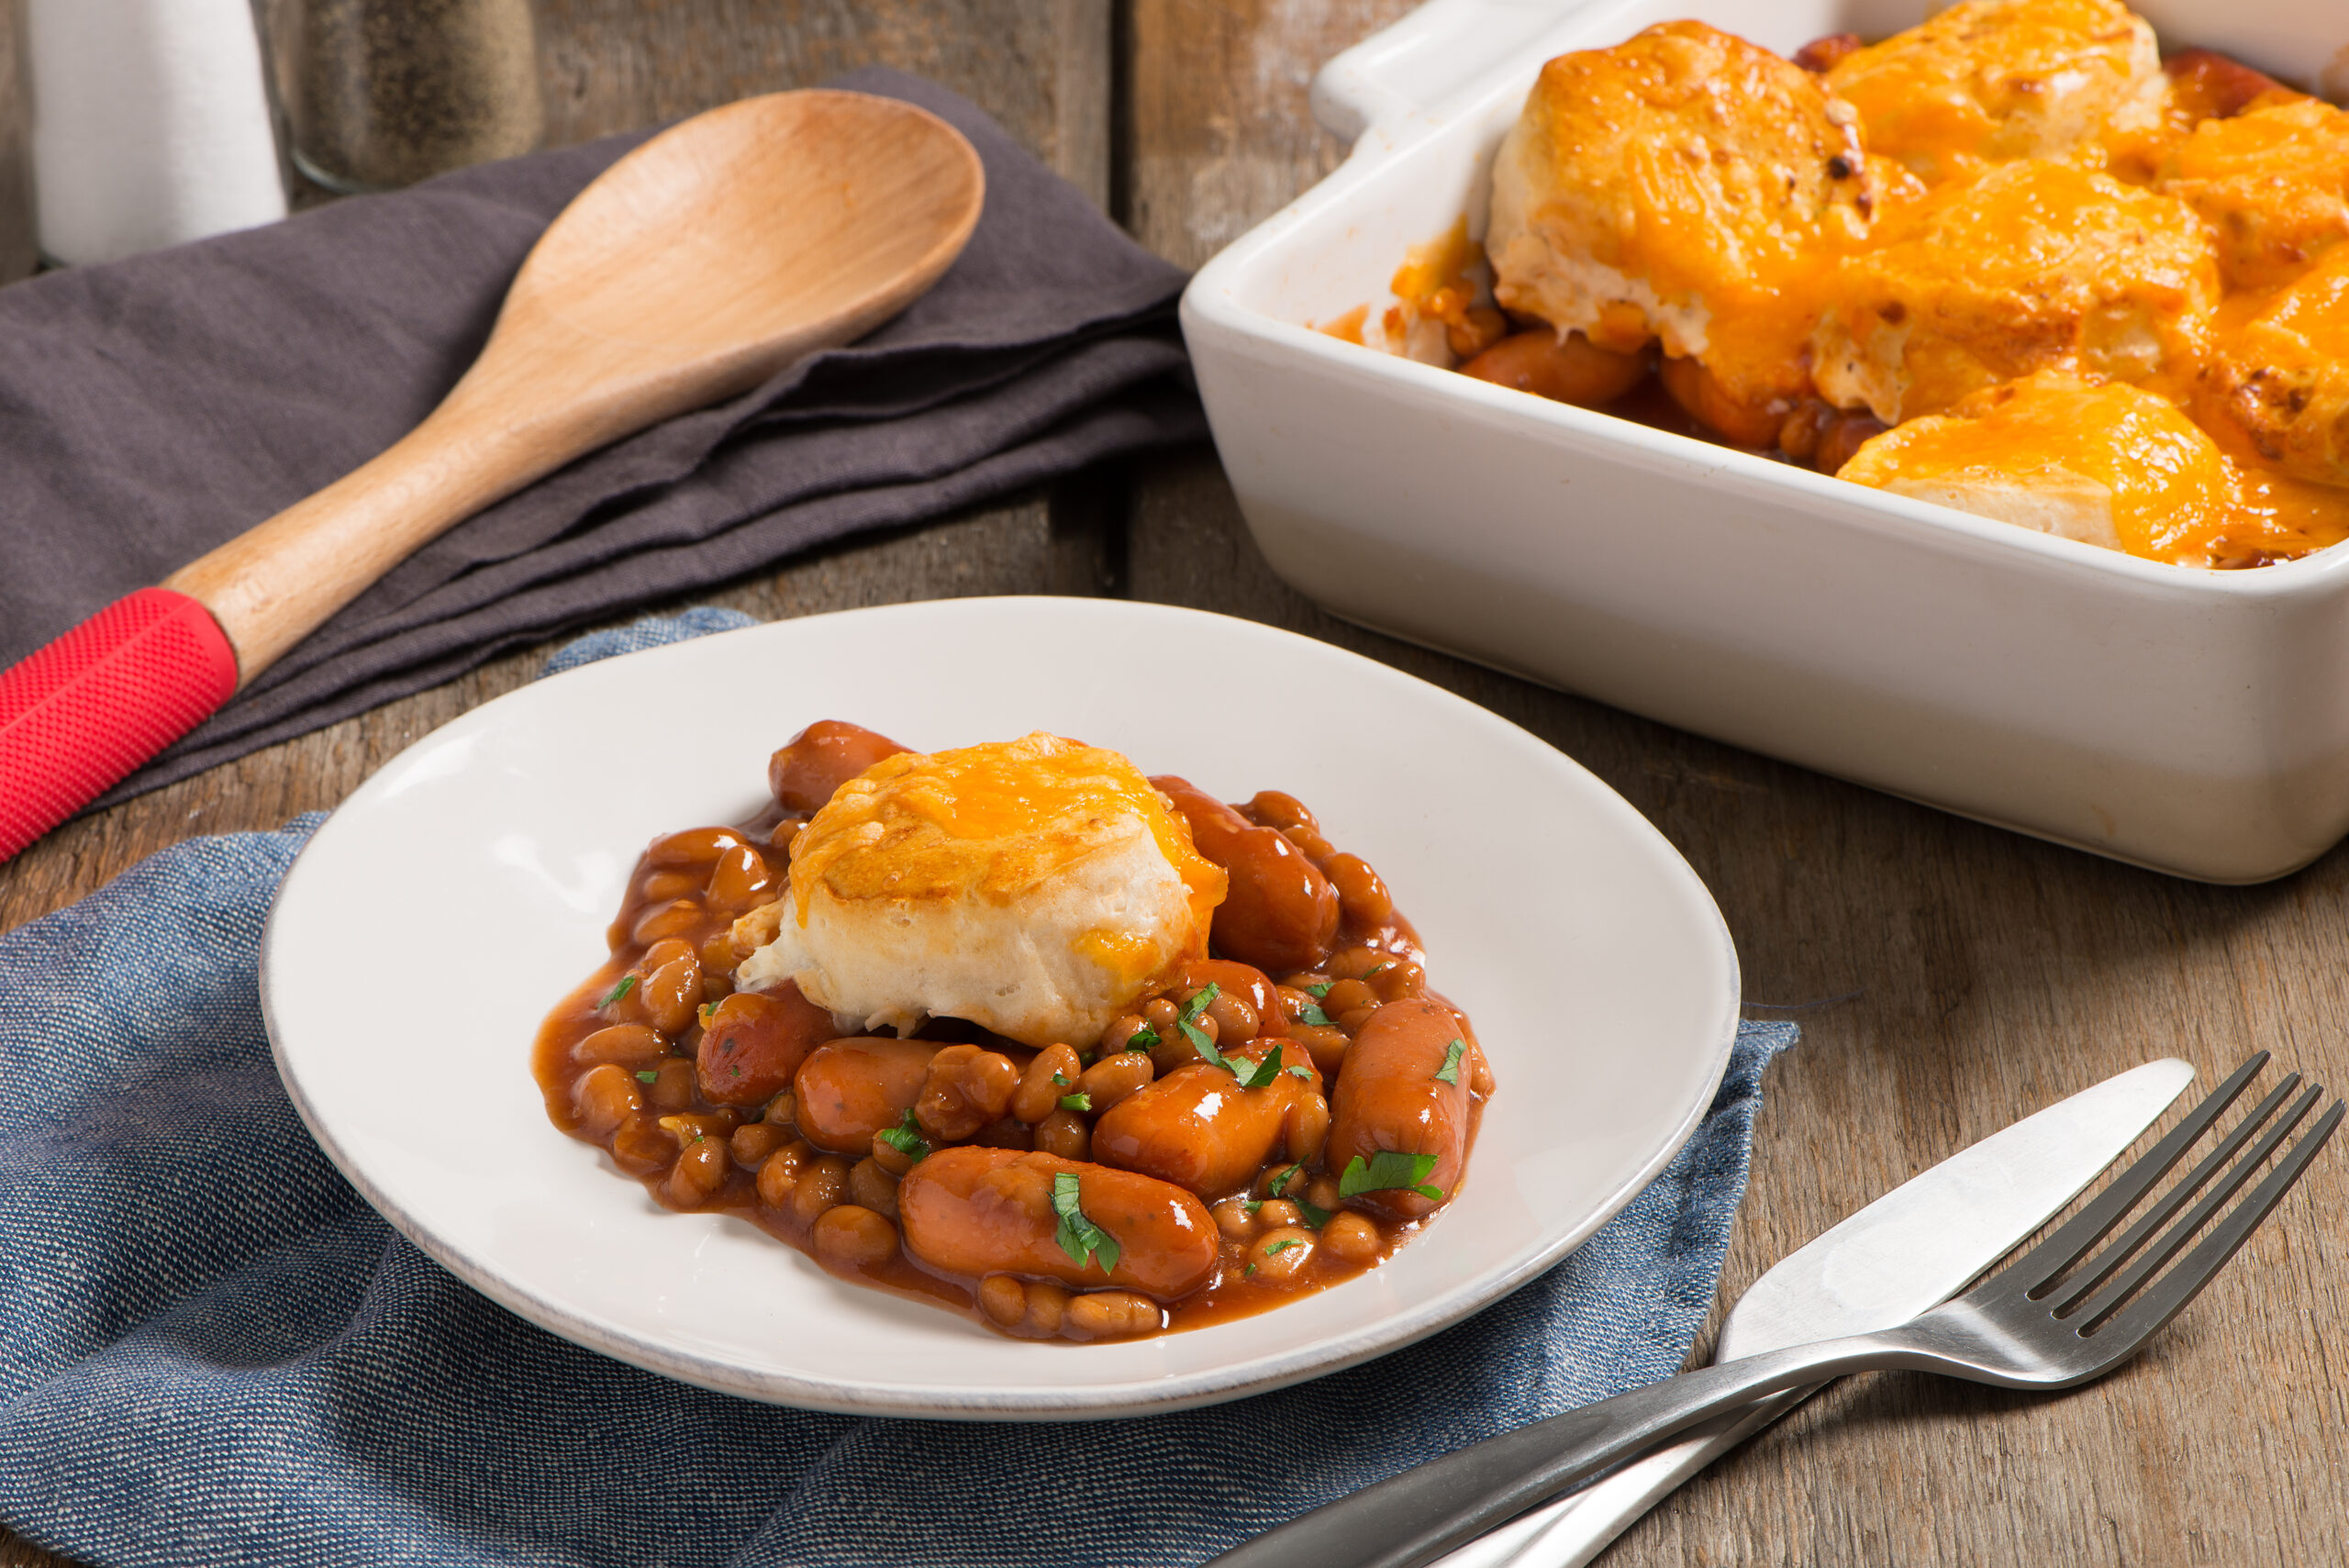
(1174, 1049)
(1353, 1020)
(1351, 1237)
(783, 1111)
(1066, 1134)
(873, 1187)
(964, 1088)
(717, 961)
(1310, 844)
(625, 1043)
(889, 1157)
(1280, 1255)
(1704, 399)
(1278, 808)
(687, 1126)
(694, 847)
(751, 1145)
(1004, 1299)
(1364, 903)
(1233, 1018)
(1111, 1315)
(1306, 1129)
(814, 763)
(1358, 962)
(670, 988)
(1009, 1132)
(1047, 1305)
(640, 1146)
(740, 880)
(1274, 1181)
(1325, 1047)
(1321, 1192)
(1390, 1098)
(604, 1097)
(699, 1172)
(1120, 1036)
(822, 1185)
(753, 1042)
(984, 1211)
(1403, 977)
(1279, 1211)
(1570, 369)
(1196, 1127)
(1113, 1078)
(665, 886)
(714, 987)
(851, 1238)
(780, 1174)
(1231, 1218)
(1845, 434)
(1347, 995)
(1281, 913)
(671, 1088)
(784, 831)
(1053, 1074)
(850, 1089)
(1160, 1015)
(665, 920)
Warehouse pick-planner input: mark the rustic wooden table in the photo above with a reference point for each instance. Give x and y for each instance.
(1948, 977)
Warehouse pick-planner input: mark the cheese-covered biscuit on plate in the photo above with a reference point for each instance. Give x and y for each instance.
(1990, 80)
(1036, 887)
(2036, 265)
(2273, 186)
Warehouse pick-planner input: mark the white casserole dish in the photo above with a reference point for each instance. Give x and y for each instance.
(2193, 721)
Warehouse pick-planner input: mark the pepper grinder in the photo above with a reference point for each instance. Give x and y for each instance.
(151, 125)
(380, 94)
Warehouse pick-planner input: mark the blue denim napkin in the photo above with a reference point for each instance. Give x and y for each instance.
(213, 1351)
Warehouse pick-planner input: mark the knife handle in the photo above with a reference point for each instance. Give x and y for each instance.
(78, 715)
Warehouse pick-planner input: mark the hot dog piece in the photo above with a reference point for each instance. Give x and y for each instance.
(814, 763)
(754, 1042)
(851, 1089)
(975, 1212)
(1281, 913)
(1198, 1128)
(1390, 1098)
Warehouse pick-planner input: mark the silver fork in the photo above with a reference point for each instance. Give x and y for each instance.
(2038, 1323)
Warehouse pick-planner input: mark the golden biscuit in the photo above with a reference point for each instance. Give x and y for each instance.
(2036, 265)
(2273, 186)
(1036, 887)
(2281, 380)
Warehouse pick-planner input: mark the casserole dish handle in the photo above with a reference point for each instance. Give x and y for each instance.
(1422, 62)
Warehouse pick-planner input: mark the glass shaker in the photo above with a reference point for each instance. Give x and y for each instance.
(17, 255)
(380, 94)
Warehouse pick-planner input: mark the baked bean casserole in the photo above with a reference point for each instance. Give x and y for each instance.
(2011, 261)
(1015, 1030)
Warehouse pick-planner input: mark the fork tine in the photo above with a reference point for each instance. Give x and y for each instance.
(2038, 1268)
(2126, 1281)
(2093, 1274)
(2138, 1321)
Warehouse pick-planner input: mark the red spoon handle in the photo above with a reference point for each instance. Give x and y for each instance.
(79, 713)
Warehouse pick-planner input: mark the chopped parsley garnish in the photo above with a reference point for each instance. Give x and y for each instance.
(1188, 1020)
(1449, 1071)
(1259, 1074)
(1304, 1072)
(1374, 968)
(1280, 1183)
(646, 1075)
(1312, 1016)
(1143, 1039)
(1076, 1102)
(905, 1139)
(1253, 1204)
(1390, 1170)
(1277, 1248)
(1322, 992)
(1062, 1079)
(1079, 1237)
(1315, 1216)
(627, 984)
(1247, 1272)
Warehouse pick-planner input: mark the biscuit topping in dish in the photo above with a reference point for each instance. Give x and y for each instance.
(2008, 215)
(1035, 887)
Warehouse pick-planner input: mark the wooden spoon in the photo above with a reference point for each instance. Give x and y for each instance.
(690, 270)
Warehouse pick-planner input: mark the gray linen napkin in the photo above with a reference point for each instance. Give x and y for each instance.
(153, 408)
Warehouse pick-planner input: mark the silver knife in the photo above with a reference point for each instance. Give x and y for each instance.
(1912, 1249)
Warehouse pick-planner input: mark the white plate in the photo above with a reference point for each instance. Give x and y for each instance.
(451, 901)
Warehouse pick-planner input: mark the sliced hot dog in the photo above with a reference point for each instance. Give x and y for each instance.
(974, 1212)
(1389, 1097)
